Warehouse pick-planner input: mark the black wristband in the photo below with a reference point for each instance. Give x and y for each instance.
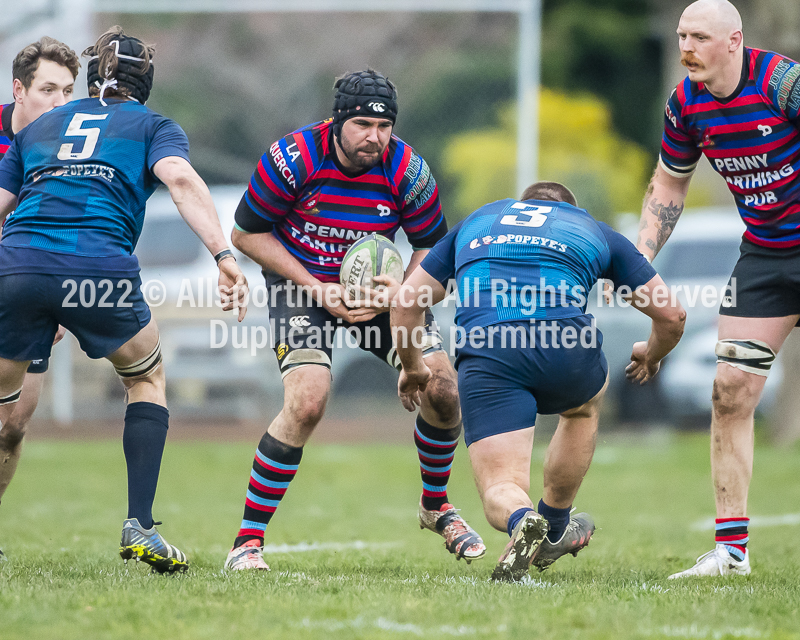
(225, 253)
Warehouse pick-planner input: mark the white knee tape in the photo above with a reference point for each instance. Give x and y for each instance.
(11, 398)
(143, 368)
(752, 356)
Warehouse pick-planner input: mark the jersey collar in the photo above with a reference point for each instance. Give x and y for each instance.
(5, 120)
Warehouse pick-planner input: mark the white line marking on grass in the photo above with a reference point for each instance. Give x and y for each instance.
(694, 631)
(787, 519)
(384, 624)
(303, 547)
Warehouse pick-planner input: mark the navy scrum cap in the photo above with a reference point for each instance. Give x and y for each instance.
(129, 52)
(363, 93)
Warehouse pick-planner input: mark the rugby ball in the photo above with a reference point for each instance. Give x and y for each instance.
(368, 257)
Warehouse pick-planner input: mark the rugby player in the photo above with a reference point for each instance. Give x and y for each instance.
(44, 75)
(739, 107)
(79, 177)
(524, 270)
(313, 194)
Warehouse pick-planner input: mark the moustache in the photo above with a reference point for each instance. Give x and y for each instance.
(690, 59)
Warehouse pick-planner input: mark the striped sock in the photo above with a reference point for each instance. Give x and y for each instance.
(732, 532)
(436, 449)
(273, 469)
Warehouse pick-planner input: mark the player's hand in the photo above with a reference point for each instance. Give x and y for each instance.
(641, 369)
(411, 385)
(378, 297)
(59, 334)
(233, 289)
(334, 298)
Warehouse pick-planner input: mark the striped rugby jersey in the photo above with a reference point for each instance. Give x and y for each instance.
(752, 139)
(300, 192)
(6, 133)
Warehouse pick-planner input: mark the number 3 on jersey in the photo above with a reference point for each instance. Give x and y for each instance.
(90, 135)
(532, 215)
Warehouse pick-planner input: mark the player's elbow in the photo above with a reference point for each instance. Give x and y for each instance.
(238, 239)
(672, 320)
(178, 176)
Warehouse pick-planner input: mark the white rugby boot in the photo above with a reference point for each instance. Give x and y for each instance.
(246, 557)
(717, 562)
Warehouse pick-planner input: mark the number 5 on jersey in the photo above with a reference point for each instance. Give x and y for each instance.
(533, 215)
(90, 135)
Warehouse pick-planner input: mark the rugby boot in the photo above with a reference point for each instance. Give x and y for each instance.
(576, 536)
(459, 538)
(717, 562)
(246, 556)
(525, 540)
(149, 546)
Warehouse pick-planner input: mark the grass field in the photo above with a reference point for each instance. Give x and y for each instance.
(355, 565)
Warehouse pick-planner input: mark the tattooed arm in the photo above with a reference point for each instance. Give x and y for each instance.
(663, 205)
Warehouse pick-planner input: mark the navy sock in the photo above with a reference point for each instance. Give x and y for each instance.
(143, 441)
(558, 519)
(516, 517)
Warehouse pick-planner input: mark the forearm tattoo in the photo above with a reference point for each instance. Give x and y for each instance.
(666, 217)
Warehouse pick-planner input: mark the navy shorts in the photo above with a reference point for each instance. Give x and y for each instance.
(504, 385)
(102, 313)
(39, 366)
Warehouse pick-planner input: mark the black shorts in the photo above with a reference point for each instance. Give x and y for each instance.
(765, 283)
(305, 332)
(39, 366)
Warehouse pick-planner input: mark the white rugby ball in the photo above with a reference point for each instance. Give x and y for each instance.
(371, 256)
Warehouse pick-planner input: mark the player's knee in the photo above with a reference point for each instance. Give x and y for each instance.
(13, 430)
(442, 394)
(306, 407)
(308, 412)
(735, 392)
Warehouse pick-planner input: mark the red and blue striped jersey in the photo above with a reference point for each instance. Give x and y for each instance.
(6, 133)
(300, 192)
(752, 139)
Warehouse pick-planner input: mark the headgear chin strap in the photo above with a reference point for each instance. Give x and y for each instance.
(363, 93)
(128, 73)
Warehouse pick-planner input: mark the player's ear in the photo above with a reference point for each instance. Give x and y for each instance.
(735, 41)
(17, 90)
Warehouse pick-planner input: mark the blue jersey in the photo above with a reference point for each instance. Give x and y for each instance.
(82, 174)
(531, 260)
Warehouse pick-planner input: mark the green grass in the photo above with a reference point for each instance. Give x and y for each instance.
(60, 524)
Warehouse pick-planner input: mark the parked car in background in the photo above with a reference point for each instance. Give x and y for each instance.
(696, 263)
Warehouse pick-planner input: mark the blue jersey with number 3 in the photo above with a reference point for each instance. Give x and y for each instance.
(531, 260)
(82, 174)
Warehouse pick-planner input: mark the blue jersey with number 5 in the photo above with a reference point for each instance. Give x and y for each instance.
(82, 174)
(531, 260)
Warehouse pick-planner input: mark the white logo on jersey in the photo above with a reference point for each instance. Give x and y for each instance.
(299, 321)
(384, 210)
(378, 107)
(765, 129)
